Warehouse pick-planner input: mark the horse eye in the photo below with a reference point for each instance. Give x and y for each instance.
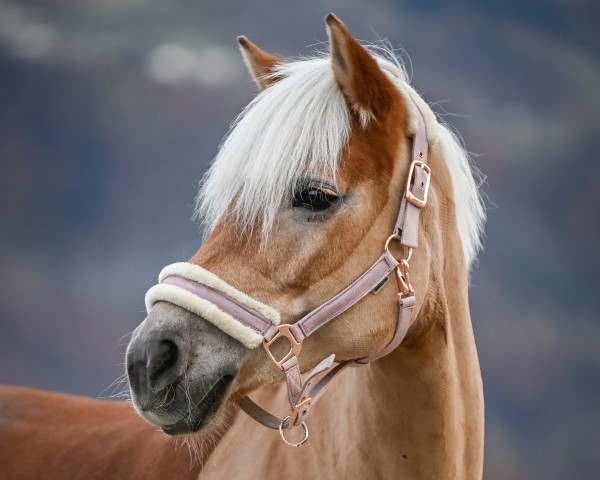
(314, 199)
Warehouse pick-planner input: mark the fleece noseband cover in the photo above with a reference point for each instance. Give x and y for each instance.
(219, 303)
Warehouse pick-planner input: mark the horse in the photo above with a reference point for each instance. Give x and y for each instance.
(56, 436)
(301, 207)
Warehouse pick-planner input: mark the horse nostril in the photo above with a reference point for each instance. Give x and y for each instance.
(162, 364)
(154, 368)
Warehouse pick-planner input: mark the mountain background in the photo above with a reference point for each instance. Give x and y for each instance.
(111, 110)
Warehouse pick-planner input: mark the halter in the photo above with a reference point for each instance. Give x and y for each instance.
(252, 323)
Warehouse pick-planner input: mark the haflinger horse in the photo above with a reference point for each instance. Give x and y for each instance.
(334, 178)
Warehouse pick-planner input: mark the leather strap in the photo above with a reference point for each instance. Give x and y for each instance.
(305, 390)
(404, 319)
(344, 300)
(417, 186)
(261, 415)
(293, 379)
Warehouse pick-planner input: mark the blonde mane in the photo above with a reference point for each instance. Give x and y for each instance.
(299, 127)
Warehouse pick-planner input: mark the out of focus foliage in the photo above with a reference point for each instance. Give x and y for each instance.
(111, 110)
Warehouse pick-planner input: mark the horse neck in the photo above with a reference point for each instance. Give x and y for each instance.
(417, 413)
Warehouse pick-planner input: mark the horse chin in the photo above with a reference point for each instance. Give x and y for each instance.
(205, 413)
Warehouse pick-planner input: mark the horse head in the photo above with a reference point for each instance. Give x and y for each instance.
(298, 203)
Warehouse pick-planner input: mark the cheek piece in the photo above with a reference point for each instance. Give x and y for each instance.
(253, 323)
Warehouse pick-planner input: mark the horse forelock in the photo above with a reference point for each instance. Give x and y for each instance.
(299, 127)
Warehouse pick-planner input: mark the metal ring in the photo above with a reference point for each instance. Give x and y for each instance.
(397, 237)
(393, 236)
(293, 444)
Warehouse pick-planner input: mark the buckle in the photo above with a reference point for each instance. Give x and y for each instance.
(283, 331)
(404, 286)
(417, 202)
(302, 408)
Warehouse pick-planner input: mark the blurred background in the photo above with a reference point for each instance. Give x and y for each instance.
(111, 110)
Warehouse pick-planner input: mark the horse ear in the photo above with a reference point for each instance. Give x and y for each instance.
(365, 86)
(259, 62)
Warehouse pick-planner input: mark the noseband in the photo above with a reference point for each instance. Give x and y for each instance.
(252, 323)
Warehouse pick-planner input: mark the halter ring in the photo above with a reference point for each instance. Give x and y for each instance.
(293, 444)
(395, 236)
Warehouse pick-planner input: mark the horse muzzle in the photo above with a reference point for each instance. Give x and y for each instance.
(180, 367)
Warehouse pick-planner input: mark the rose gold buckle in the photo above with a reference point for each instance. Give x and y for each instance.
(302, 407)
(417, 202)
(403, 279)
(283, 331)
